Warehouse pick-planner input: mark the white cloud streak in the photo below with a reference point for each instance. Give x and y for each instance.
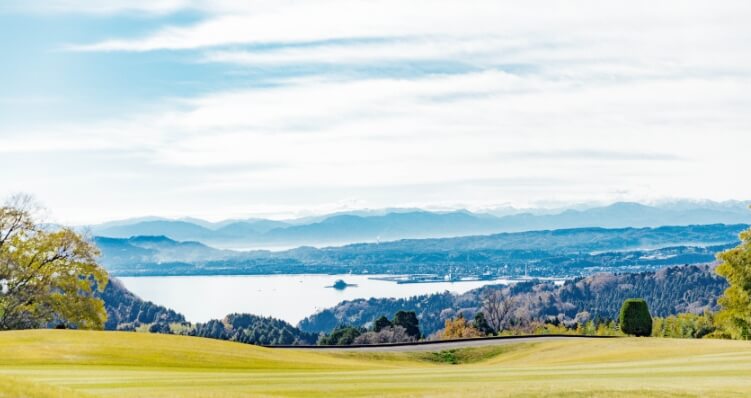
(554, 101)
(286, 21)
(364, 136)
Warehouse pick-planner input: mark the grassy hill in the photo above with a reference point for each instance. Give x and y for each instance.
(62, 364)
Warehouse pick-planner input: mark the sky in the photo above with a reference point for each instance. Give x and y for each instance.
(220, 109)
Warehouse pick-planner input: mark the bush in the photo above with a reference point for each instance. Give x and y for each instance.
(341, 336)
(635, 319)
(391, 334)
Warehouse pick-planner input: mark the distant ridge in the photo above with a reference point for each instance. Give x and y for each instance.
(562, 252)
(394, 224)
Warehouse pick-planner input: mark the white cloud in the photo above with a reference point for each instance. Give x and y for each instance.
(145, 7)
(477, 139)
(553, 102)
(286, 21)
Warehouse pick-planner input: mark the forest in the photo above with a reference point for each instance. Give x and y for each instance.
(668, 291)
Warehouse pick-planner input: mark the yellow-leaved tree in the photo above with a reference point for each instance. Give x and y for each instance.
(48, 276)
(735, 266)
(459, 328)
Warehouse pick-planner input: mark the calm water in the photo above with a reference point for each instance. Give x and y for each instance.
(288, 297)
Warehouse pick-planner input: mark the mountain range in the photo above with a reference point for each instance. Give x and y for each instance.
(395, 224)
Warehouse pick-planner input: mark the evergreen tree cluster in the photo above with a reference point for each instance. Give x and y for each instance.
(405, 327)
(253, 329)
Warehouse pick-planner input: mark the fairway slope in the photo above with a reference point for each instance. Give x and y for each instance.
(62, 364)
(106, 349)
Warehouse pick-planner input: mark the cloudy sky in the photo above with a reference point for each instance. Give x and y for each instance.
(216, 108)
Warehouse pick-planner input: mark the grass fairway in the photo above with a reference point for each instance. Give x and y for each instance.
(61, 364)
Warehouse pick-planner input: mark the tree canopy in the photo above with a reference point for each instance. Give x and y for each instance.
(408, 320)
(381, 323)
(47, 277)
(459, 328)
(344, 335)
(735, 266)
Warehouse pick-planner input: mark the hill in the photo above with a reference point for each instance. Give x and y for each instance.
(668, 291)
(66, 364)
(128, 312)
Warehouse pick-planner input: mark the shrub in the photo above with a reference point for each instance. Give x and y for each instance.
(392, 334)
(635, 319)
(341, 336)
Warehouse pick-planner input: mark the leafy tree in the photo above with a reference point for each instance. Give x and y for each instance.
(381, 323)
(692, 326)
(482, 325)
(458, 328)
(735, 316)
(46, 277)
(635, 318)
(408, 320)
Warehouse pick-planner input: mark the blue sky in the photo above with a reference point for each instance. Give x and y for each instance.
(217, 109)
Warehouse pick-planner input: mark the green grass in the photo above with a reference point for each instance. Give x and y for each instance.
(446, 357)
(62, 364)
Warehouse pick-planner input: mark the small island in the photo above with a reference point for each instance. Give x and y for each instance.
(340, 284)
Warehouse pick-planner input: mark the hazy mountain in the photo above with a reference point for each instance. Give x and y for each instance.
(179, 230)
(395, 224)
(250, 228)
(134, 251)
(127, 221)
(619, 215)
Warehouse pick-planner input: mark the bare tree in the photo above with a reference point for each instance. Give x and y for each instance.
(498, 306)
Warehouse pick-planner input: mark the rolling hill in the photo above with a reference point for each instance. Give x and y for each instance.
(67, 364)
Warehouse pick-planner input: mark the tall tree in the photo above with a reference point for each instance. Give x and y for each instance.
(46, 277)
(408, 320)
(498, 306)
(735, 316)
